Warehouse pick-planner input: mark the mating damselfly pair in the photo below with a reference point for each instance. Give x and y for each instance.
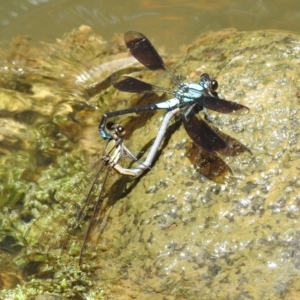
(188, 100)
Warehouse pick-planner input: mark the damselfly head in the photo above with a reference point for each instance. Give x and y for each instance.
(205, 77)
(214, 85)
(110, 125)
(118, 130)
(211, 83)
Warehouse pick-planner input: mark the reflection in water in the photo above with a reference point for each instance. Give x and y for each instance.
(192, 233)
(47, 129)
(179, 21)
(107, 19)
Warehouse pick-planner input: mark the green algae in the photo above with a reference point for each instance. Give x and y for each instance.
(172, 234)
(49, 135)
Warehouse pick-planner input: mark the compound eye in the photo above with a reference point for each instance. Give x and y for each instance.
(204, 77)
(214, 84)
(120, 130)
(110, 125)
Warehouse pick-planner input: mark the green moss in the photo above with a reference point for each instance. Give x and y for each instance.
(171, 233)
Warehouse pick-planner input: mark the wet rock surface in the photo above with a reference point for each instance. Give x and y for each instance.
(174, 234)
(185, 236)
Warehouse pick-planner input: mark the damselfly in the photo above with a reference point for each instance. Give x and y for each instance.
(52, 230)
(193, 97)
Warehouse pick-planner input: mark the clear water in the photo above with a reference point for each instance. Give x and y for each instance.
(171, 23)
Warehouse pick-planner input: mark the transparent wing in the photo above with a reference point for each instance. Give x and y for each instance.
(53, 228)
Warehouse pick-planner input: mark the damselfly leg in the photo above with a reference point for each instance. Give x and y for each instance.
(190, 98)
(85, 200)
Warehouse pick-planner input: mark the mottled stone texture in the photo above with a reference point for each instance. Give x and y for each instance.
(173, 234)
(186, 237)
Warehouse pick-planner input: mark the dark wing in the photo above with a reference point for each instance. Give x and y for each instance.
(133, 85)
(204, 136)
(221, 105)
(142, 49)
(209, 165)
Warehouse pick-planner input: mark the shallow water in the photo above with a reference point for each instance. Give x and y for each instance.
(179, 210)
(171, 23)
